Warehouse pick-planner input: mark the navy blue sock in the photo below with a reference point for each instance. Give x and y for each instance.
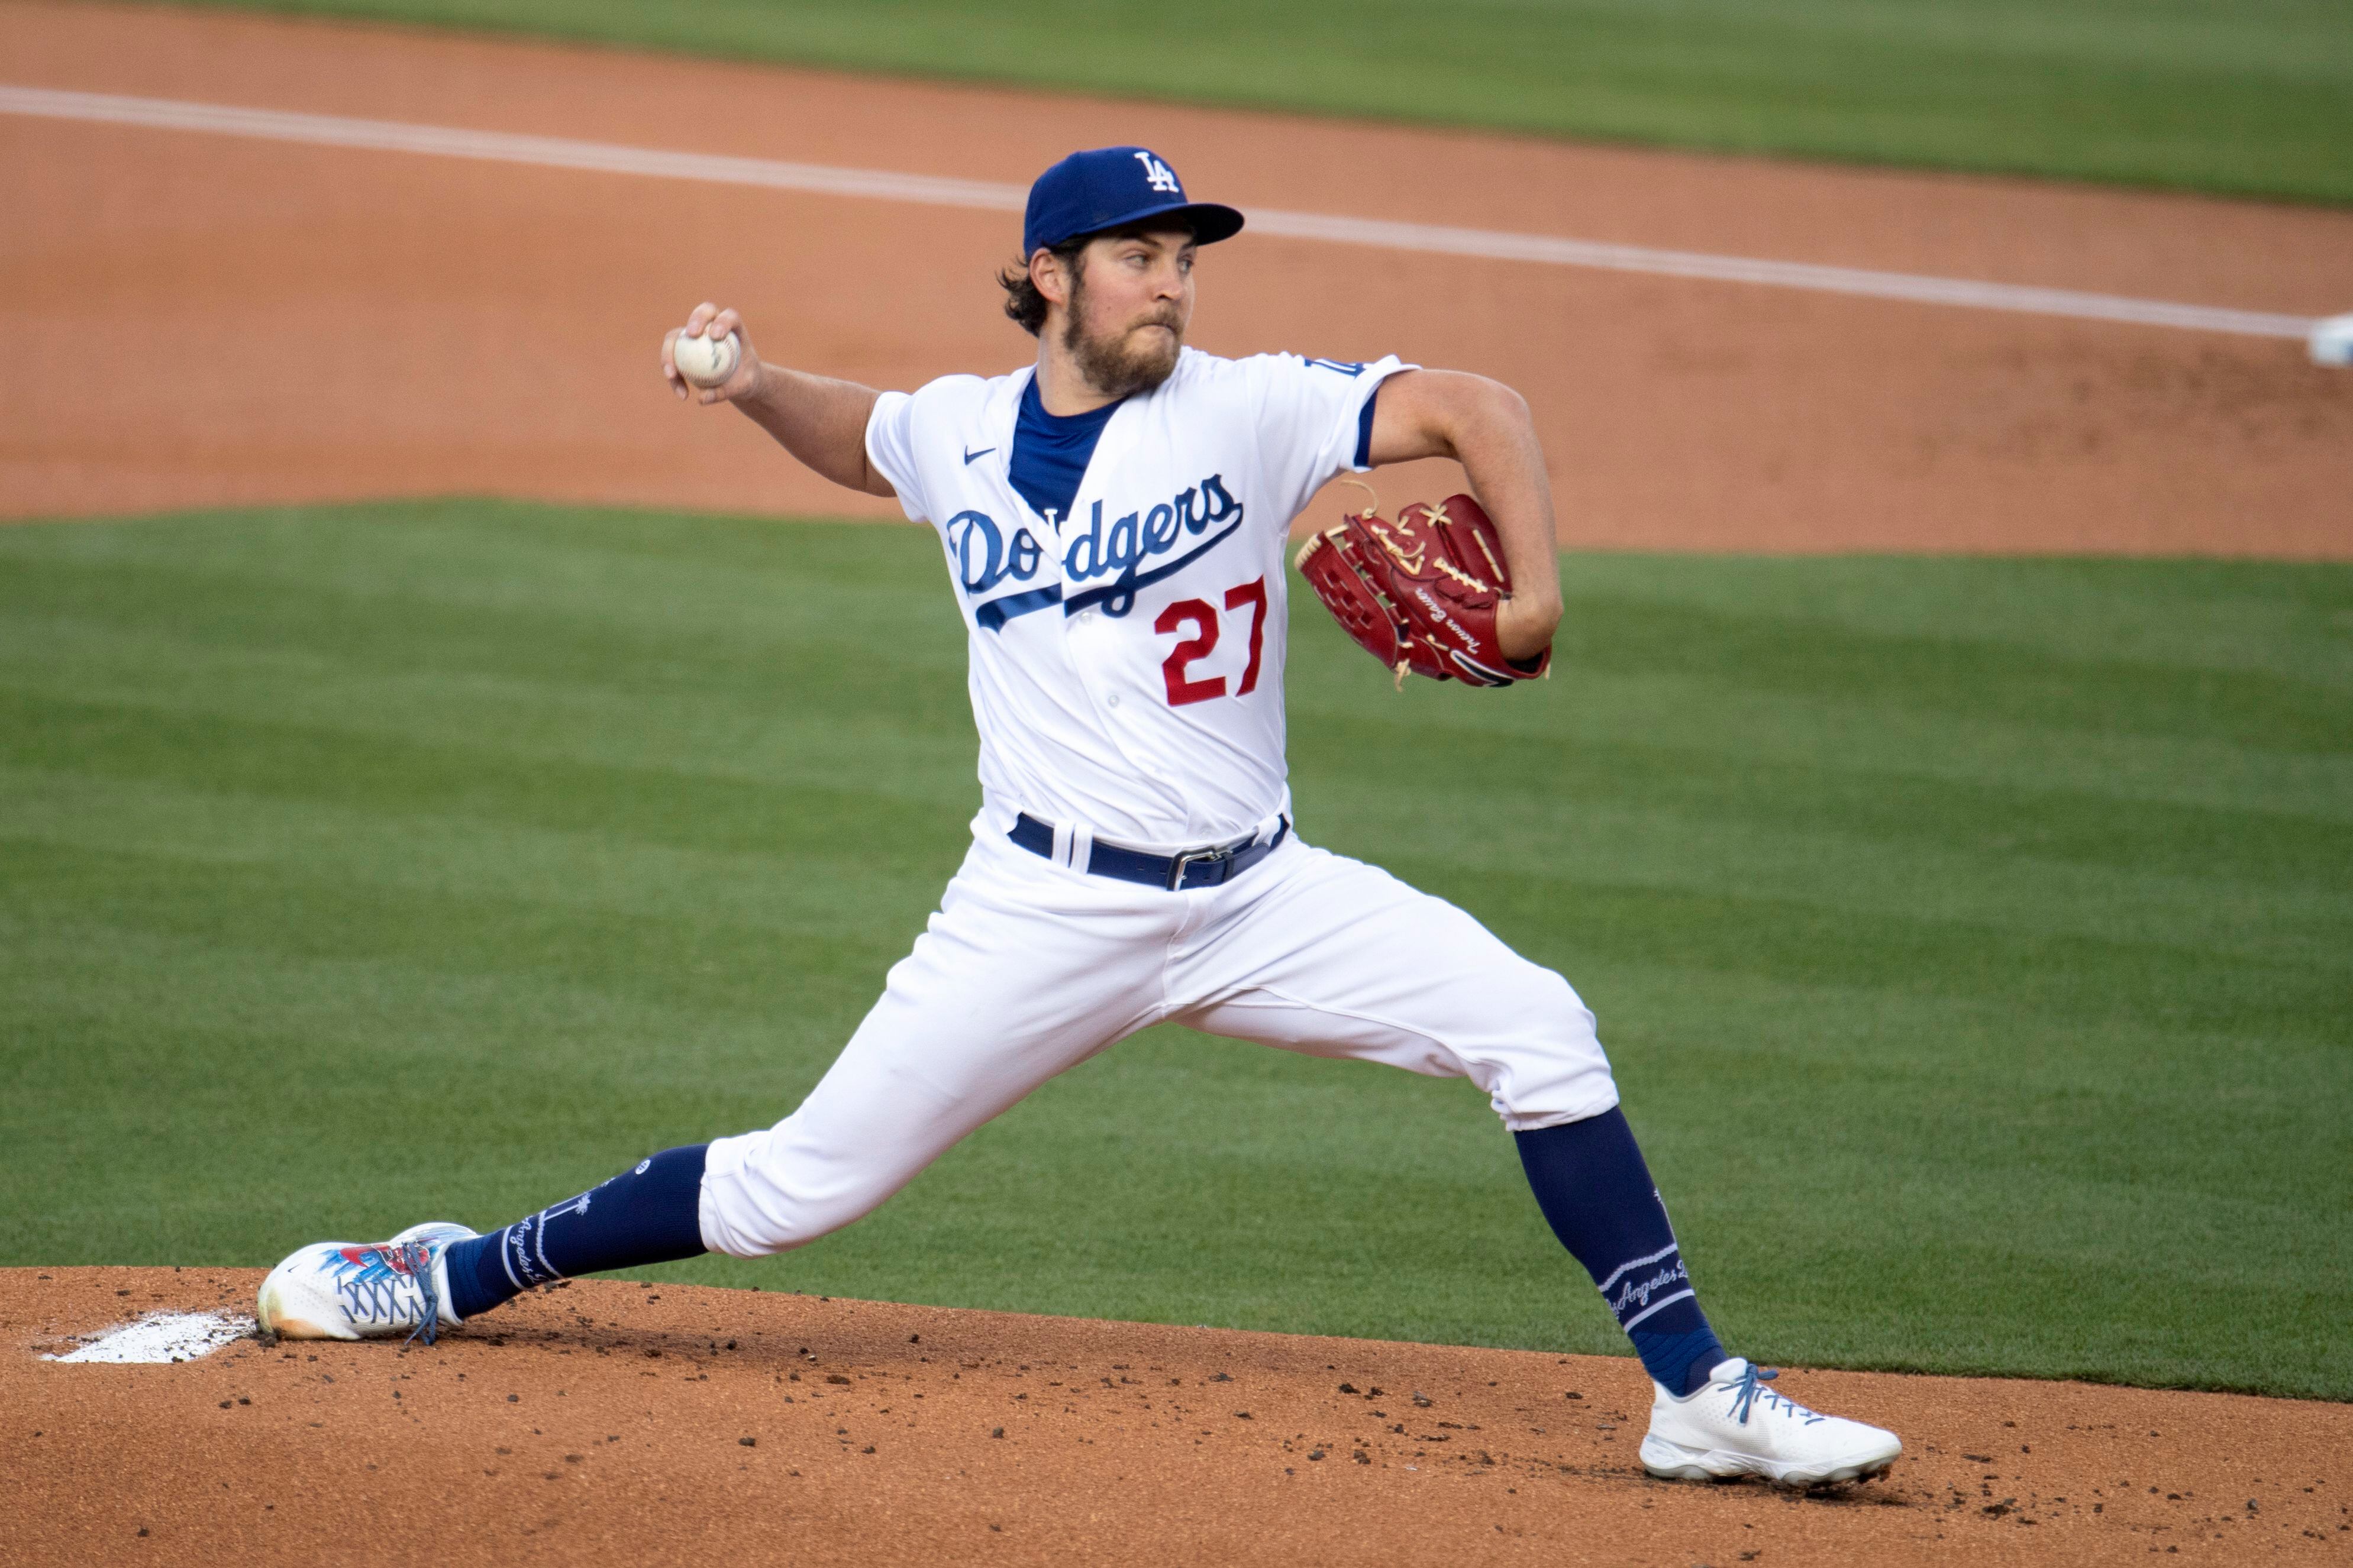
(645, 1214)
(1596, 1194)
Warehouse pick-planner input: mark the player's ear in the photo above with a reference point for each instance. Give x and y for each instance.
(1049, 276)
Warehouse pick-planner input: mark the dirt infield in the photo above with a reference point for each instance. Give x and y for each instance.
(192, 320)
(611, 1423)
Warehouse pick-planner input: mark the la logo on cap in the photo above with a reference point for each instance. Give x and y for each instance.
(1095, 191)
(1158, 174)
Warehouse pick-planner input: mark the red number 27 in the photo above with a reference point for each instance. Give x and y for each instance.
(1197, 614)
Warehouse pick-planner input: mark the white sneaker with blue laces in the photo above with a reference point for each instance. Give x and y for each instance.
(1736, 1426)
(346, 1291)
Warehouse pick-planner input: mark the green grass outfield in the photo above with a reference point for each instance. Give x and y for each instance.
(2245, 95)
(1974, 938)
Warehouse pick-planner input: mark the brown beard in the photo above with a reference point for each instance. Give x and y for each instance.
(1112, 365)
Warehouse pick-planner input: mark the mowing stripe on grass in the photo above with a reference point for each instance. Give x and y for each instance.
(928, 190)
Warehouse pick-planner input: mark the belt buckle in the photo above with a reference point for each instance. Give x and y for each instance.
(1190, 858)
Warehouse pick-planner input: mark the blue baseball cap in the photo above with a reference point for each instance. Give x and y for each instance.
(1110, 187)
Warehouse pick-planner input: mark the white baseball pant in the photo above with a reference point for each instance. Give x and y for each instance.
(1029, 968)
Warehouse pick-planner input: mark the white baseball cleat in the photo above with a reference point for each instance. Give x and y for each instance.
(346, 1291)
(1736, 1426)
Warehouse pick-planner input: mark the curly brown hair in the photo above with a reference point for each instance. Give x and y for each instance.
(1023, 303)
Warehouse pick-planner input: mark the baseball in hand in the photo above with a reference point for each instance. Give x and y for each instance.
(706, 361)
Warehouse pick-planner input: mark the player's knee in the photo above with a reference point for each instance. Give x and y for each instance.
(1551, 1067)
(1544, 1009)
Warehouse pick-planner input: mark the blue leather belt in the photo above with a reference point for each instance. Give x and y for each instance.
(1193, 868)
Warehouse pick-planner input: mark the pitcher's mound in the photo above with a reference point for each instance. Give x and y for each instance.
(636, 1424)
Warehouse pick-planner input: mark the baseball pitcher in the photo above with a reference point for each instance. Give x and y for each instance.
(1113, 520)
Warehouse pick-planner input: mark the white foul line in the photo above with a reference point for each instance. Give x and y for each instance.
(550, 151)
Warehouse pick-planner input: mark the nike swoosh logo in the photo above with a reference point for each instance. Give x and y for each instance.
(970, 455)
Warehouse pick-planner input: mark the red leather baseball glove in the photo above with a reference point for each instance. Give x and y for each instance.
(1420, 592)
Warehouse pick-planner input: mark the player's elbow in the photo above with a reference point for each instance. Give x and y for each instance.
(1506, 410)
(1478, 407)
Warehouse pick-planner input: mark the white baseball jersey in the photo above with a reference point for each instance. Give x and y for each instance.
(1127, 658)
(1127, 680)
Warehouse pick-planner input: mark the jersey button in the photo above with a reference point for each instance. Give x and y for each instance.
(1112, 699)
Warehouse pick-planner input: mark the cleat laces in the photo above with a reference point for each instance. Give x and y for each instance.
(369, 1282)
(416, 1259)
(1746, 1392)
